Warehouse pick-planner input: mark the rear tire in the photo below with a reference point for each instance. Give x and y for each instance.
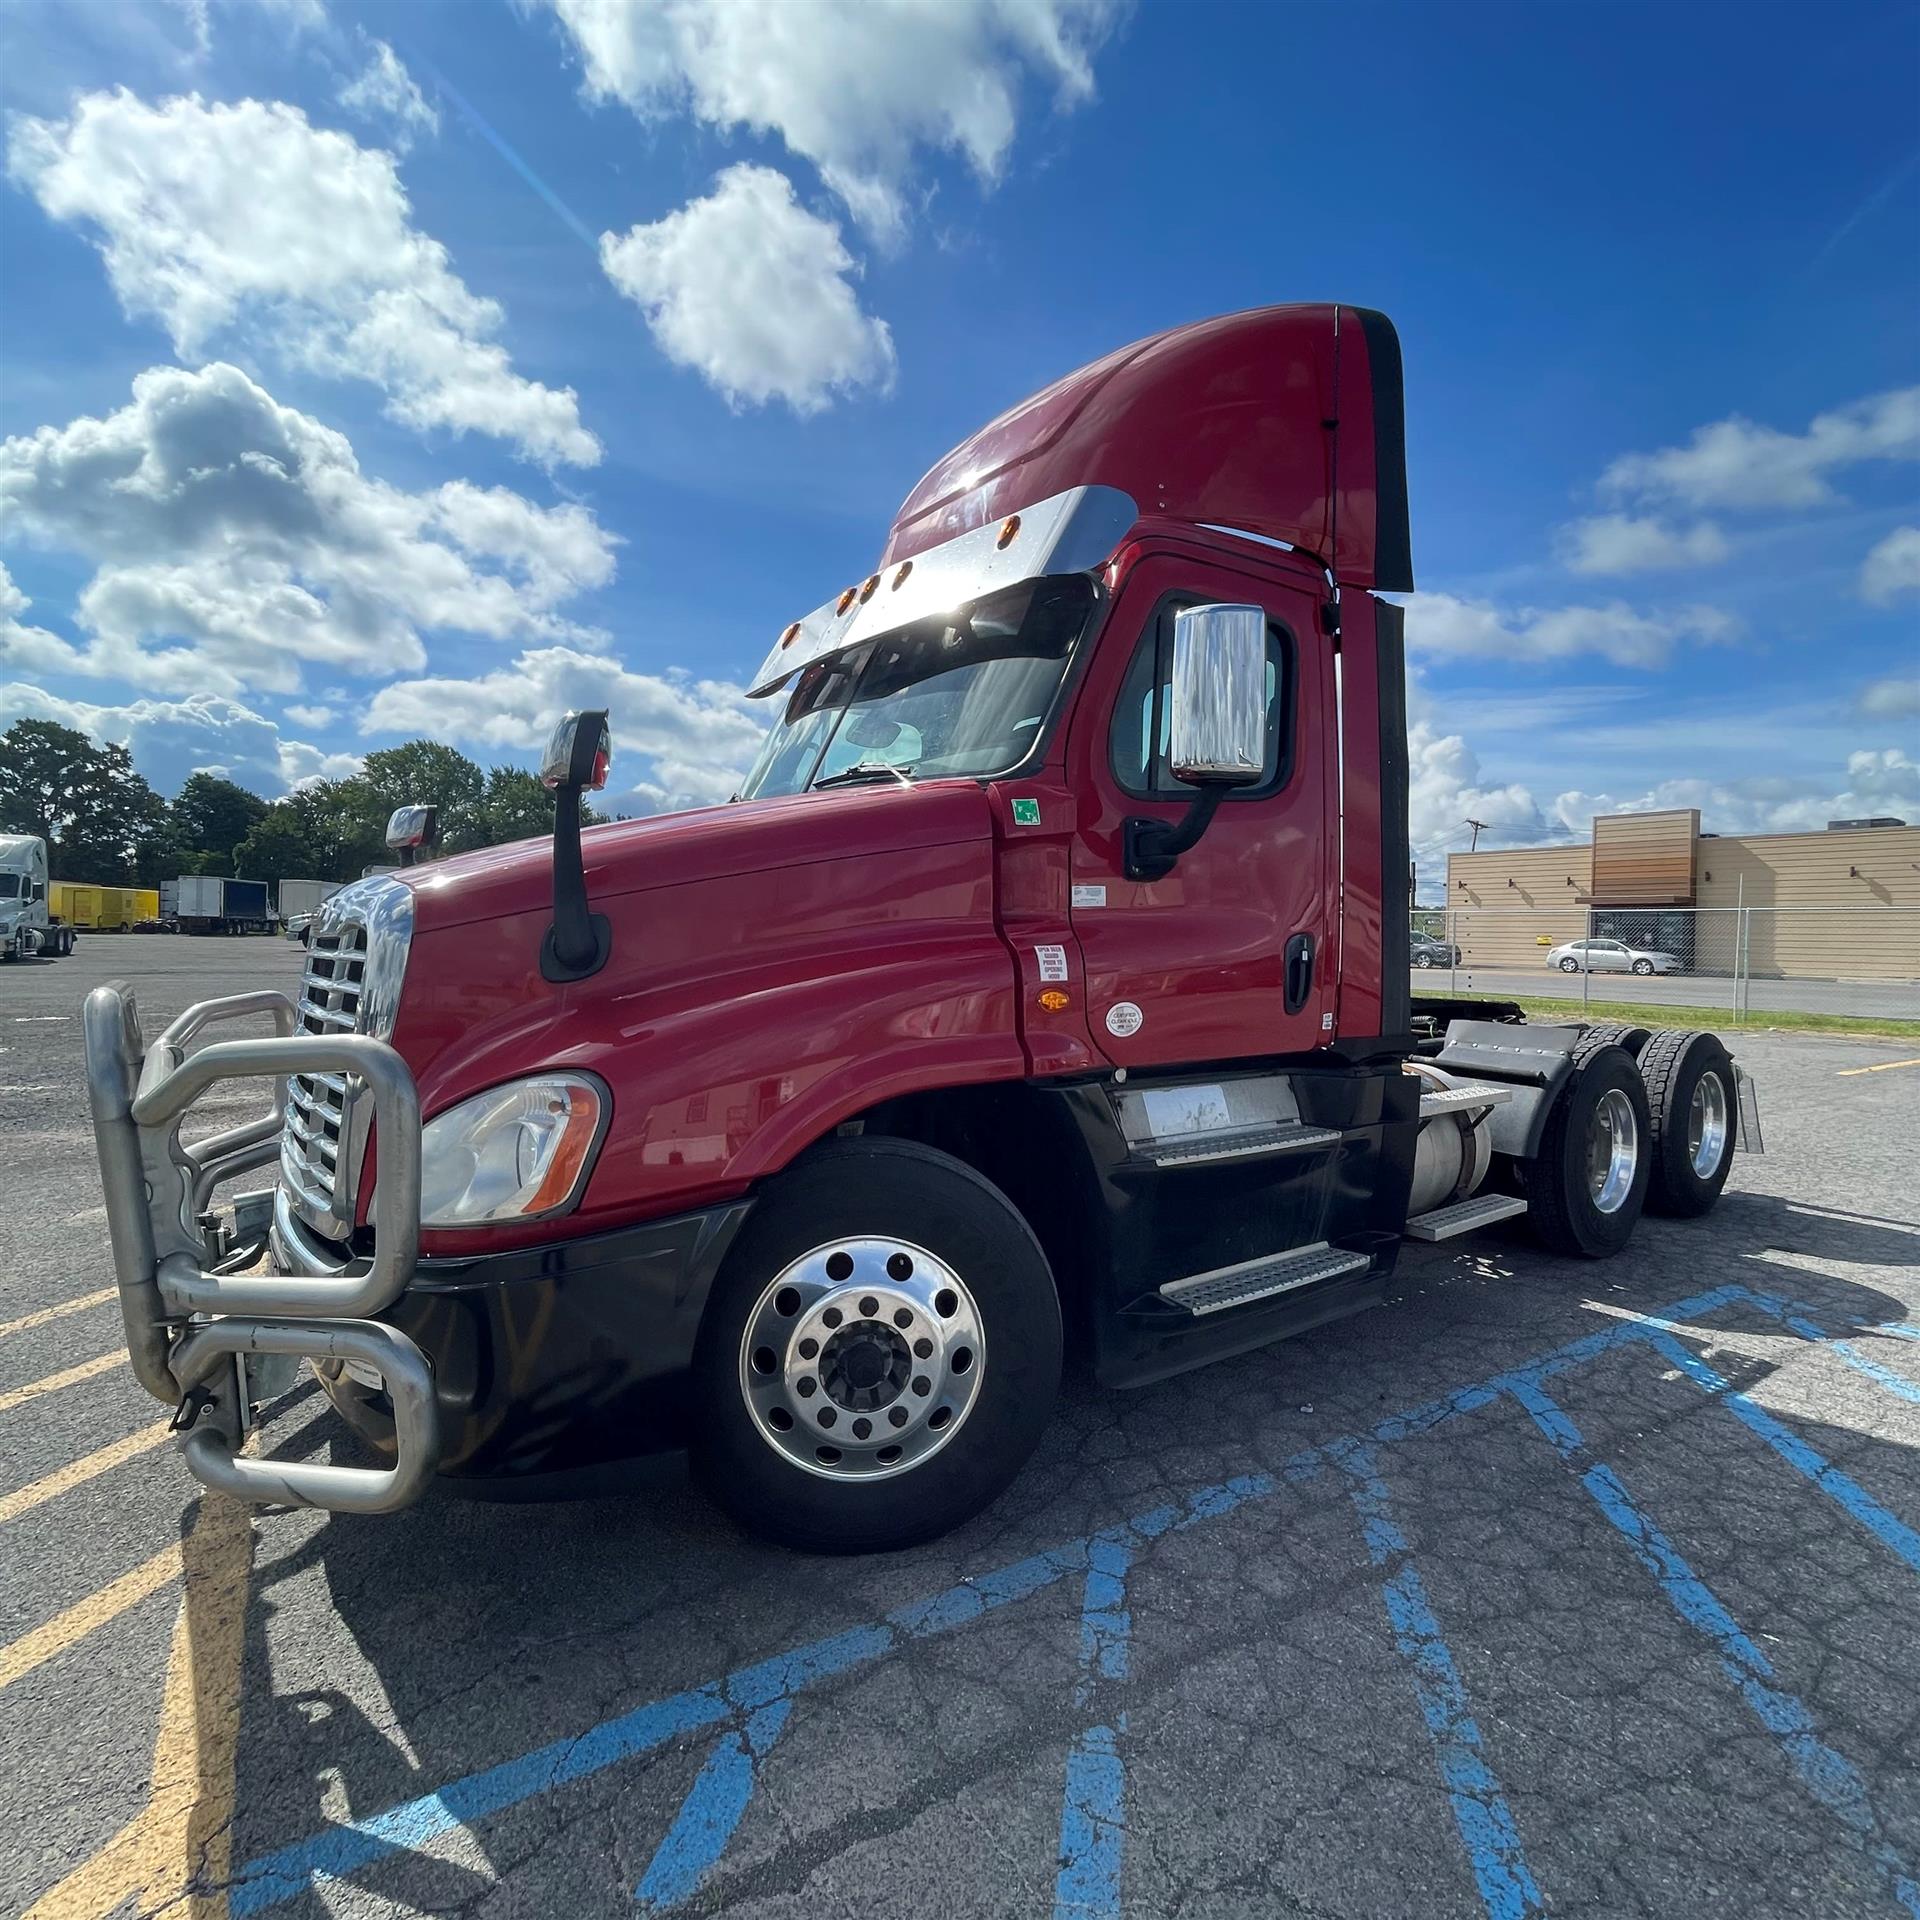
(1693, 1095)
(867, 1221)
(1586, 1186)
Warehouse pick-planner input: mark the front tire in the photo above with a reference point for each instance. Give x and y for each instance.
(880, 1354)
(1569, 965)
(1693, 1095)
(1587, 1184)
(1643, 966)
(1423, 961)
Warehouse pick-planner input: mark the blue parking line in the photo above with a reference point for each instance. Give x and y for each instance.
(1897, 1330)
(711, 1811)
(1480, 1811)
(1896, 1384)
(1886, 1527)
(1827, 1774)
(337, 1852)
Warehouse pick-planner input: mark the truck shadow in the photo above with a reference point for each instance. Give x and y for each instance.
(460, 1636)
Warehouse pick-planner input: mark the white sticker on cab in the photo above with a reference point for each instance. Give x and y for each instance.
(1124, 1019)
(1053, 962)
(1090, 896)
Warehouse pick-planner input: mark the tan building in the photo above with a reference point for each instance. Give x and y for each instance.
(1820, 901)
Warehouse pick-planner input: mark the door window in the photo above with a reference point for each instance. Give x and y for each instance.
(1142, 715)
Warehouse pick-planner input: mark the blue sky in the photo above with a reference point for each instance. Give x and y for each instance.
(423, 368)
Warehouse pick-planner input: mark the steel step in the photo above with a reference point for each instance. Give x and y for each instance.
(1464, 1215)
(1463, 1099)
(1261, 1279)
(1238, 1146)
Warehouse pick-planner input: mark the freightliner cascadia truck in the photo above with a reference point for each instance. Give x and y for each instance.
(1045, 983)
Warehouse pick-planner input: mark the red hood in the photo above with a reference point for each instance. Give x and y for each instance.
(672, 849)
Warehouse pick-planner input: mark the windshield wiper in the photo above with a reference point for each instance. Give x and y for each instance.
(866, 770)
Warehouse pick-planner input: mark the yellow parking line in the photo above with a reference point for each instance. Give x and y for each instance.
(71, 1376)
(109, 1603)
(45, 1314)
(80, 1471)
(1846, 1073)
(177, 1852)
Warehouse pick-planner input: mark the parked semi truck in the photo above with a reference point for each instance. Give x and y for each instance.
(1047, 980)
(27, 926)
(206, 903)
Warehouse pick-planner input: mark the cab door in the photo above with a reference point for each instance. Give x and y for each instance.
(1231, 955)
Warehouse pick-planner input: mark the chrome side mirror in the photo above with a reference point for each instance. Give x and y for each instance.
(1217, 731)
(413, 832)
(576, 761)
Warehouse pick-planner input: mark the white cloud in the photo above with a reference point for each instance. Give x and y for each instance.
(238, 543)
(1446, 789)
(1442, 625)
(1736, 463)
(1896, 698)
(855, 86)
(699, 735)
(316, 717)
(244, 219)
(751, 291)
(383, 92)
(1877, 781)
(28, 649)
(1892, 568)
(170, 739)
(1626, 543)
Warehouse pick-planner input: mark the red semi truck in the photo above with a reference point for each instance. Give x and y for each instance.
(1047, 981)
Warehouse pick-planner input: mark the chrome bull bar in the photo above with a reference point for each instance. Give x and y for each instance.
(181, 1320)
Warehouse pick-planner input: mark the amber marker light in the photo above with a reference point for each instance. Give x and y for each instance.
(1054, 1001)
(900, 574)
(846, 600)
(867, 592)
(1009, 528)
(791, 635)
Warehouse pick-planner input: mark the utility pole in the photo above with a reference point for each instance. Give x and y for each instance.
(1478, 826)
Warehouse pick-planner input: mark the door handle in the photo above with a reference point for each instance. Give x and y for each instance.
(1299, 980)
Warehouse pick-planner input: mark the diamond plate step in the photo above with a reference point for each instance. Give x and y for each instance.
(1238, 1146)
(1463, 1099)
(1464, 1215)
(1261, 1279)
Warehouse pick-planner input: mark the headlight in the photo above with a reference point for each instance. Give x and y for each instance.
(512, 1153)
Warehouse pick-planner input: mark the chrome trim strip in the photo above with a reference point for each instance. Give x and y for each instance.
(1071, 532)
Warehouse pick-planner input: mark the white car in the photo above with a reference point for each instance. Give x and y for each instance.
(1610, 956)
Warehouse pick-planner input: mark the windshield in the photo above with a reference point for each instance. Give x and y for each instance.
(9, 886)
(964, 692)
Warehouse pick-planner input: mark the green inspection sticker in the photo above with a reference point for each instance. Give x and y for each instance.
(1026, 813)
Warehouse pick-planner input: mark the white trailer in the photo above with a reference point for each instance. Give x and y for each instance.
(25, 926)
(296, 897)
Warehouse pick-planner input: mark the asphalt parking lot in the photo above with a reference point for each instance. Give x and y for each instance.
(1591, 1590)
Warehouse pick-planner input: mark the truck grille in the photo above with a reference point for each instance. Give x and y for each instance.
(317, 1102)
(355, 961)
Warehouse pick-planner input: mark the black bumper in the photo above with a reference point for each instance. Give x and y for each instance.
(554, 1365)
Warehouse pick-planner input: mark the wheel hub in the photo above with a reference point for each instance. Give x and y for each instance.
(862, 1358)
(865, 1367)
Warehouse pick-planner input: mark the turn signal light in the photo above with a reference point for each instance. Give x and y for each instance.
(1055, 1001)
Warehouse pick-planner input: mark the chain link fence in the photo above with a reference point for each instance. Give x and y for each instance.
(1738, 964)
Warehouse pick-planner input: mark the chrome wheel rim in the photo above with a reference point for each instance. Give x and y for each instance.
(862, 1359)
(1707, 1124)
(1613, 1151)
(1569, 965)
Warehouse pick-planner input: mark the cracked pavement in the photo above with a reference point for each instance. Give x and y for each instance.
(1272, 1740)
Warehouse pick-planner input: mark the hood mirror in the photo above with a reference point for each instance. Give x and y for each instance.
(578, 756)
(413, 832)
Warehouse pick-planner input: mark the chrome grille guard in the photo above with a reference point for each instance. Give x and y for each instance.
(181, 1319)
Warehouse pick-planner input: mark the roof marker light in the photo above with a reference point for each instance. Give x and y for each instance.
(845, 601)
(791, 635)
(900, 575)
(1009, 527)
(866, 592)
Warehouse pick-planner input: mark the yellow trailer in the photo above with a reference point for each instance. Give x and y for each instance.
(146, 903)
(74, 904)
(120, 908)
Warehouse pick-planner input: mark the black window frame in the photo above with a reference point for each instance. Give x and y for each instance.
(1157, 634)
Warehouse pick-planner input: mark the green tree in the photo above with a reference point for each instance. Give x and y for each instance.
(331, 830)
(516, 806)
(211, 816)
(99, 818)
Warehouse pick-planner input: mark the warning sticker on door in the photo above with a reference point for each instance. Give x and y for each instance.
(1026, 813)
(1090, 896)
(1053, 962)
(1124, 1019)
